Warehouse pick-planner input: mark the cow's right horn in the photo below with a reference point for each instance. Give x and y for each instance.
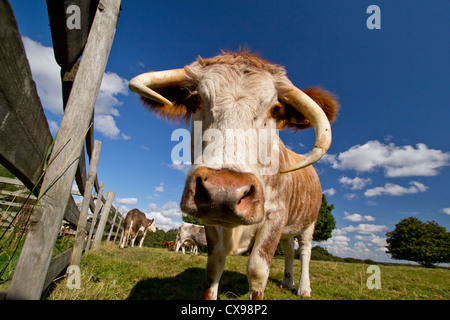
(144, 84)
(311, 110)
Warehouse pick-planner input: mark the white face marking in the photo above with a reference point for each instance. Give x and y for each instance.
(235, 107)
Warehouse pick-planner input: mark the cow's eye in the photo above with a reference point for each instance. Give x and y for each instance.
(276, 111)
(193, 95)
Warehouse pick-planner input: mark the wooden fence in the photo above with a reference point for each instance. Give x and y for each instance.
(47, 166)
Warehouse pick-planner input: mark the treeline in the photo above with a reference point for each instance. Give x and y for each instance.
(320, 253)
(154, 239)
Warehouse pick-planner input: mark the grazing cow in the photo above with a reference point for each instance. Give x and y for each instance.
(136, 222)
(246, 204)
(192, 234)
(167, 244)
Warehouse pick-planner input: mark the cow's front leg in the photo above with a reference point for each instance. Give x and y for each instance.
(215, 263)
(142, 239)
(304, 287)
(258, 265)
(133, 239)
(214, 270)
(288, 252)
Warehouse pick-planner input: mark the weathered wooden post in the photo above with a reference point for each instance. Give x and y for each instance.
(77, 250)
(31, 270)
(98, 206)
(103, 220)
(118, 228)
(112, 225)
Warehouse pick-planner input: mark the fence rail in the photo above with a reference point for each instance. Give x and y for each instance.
(47, 166)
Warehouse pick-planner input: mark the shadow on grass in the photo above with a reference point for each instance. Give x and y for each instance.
(188, 285)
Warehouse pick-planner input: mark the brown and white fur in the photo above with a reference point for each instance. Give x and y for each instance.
(192, 234)
(242, 208)
(136, 223)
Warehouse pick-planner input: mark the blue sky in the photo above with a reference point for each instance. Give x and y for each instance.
(391, 145)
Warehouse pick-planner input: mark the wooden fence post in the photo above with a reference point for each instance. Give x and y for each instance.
(81, 227)
(118, 228)
(98, 206)
(103, 220)
(112, 225)
(31, 269)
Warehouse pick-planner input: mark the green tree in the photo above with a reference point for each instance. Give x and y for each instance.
(425, 243)
(325, 222)
(154, 239)
(191, 219)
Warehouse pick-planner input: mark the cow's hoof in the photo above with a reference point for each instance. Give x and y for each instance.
(287, 285)
(304, 293)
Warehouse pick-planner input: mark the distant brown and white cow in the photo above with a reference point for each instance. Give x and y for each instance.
(246, 205)
(192, 234)
(136, 223)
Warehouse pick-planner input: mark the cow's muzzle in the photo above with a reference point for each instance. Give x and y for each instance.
(223, 197)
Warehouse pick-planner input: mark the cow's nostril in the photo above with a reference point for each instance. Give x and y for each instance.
(247, 194)
(245, 204)
(201, 194)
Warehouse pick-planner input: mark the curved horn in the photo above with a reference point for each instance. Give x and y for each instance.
(311, 110)
(144, 83)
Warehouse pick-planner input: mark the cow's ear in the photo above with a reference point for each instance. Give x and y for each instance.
(289, 118)
(184, 104)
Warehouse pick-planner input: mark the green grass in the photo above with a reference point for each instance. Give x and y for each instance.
(150, 273)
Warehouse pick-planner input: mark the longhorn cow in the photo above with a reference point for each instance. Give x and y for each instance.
(243, 205)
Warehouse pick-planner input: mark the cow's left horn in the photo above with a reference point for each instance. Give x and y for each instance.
(144, 84)
(311, 110)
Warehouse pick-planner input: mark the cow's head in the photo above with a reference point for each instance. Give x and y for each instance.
(227, 97)
(151, 226)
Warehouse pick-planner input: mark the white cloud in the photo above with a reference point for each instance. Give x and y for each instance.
(396, 161)
(105, 107)
(350, 196)
(106, 124)
(329, 192)
(160, 188)
(355, 183)
(372, 239)
(446, 210)
(365, 245)
(365, 228)
(177, 165)
(356, 217)
(166, 217)
(46, 74)
(131, 201)
(396, 190)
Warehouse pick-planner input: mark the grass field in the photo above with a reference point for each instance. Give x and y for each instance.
(150, 273)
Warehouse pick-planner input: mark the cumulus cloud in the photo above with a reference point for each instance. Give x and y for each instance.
(372, 239)
(105, 107)
(365, 244)
(446, 210)
(355, 183)
(356, 217)
(396, 161)
(177, 165)
(350, 196)
(46, 74)
(365, 228)
(166, 217)
(329, 192)
(130, 201)
(160, 188)
(396, 190)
